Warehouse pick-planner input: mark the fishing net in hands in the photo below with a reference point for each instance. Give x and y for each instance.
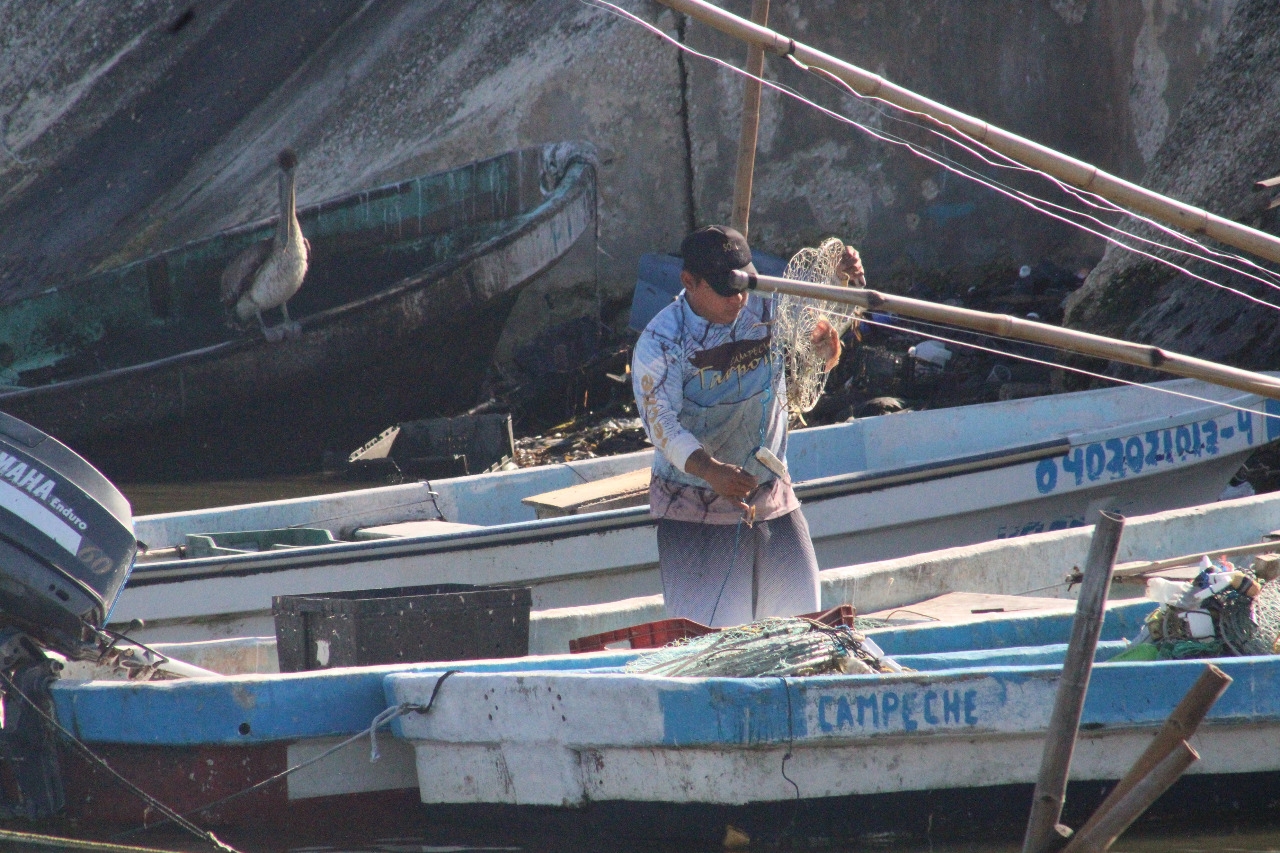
(787, 647)
(795, 319)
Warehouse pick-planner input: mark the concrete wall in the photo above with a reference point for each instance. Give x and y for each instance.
(1097, 80)
(128, 130)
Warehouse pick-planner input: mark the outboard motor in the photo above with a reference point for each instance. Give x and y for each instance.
(66, 549)
(66, 541)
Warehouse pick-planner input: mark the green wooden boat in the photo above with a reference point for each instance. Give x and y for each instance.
(408, 289)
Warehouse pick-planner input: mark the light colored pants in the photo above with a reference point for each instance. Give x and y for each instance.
(731, 574)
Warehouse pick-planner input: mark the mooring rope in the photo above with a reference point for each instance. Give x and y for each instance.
(382, 719)
(170, 814)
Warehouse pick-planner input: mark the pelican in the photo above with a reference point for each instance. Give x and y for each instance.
(268, 273)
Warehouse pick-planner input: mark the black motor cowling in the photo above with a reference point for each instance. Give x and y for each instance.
(66, 540)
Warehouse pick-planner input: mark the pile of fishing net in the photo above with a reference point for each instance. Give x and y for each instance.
(1222, 611)
(795, 318)
(791, 646)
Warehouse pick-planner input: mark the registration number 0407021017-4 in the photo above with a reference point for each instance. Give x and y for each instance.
(1119, 457)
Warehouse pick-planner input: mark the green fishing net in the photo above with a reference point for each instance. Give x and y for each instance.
(789, 646)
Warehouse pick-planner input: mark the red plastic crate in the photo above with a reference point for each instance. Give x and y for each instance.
(652, 635)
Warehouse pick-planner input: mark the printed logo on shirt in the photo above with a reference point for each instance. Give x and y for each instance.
(731, 359)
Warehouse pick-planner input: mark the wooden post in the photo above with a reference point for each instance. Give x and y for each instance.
(1179, 727)
(1103, 834)
(1004, 326)
(750, 124)
(1037, 156)
(1060, 739)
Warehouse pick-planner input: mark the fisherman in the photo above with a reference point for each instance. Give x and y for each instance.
(733, 545)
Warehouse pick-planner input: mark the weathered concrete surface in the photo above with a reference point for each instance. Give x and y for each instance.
(1223, 141)
(1097, 80)
(128, 128)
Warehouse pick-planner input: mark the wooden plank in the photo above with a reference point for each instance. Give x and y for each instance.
(629, 489)
(401, 529)
(969, 607)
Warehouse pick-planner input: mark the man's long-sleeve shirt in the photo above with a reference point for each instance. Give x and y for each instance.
(711, 386)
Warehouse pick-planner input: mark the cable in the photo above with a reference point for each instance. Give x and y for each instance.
(1080, 370)
(1084, 196)
(1034, 202)
(1021, 198)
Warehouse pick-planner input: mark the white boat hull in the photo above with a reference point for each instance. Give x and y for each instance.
(955, 492)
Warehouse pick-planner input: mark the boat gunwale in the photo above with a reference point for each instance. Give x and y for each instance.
(381, 682)
(568, 191)
(305, 212)
(540, 530)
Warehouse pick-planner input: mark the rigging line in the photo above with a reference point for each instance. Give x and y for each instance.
(382, 719)
(1266, 277)
(1051, 347)
(1043, 588)
(1094, 200)
(1205, 253)
(1080, 370)
(1064, 366)
(925, 154)
(1091, 199)
(202, 834)
(1027, 200)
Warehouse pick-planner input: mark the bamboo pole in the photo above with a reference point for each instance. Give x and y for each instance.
(1073, 684)
(1067, 169)
(750, 124)
(1145, 567)
(1179, 727)
(1102, 835)
(1004, 326)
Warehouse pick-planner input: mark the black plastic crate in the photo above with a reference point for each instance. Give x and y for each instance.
(443, 622)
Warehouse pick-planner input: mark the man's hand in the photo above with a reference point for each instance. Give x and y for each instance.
(849, 269)
(826, 344)
(728, 481)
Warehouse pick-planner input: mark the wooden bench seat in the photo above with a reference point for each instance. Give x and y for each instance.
(624, 490)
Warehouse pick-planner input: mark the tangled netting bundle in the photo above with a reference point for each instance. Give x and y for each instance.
(795, 318)
(790, 646)
(1251, 626)
(1242, 618)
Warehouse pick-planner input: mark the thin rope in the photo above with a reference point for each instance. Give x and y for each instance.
(382, 719)
(1091, 199)
(1043, 588)
(1080, 370)
(791, 738)
(1035, 203)
(1016, 196)
(170, 814)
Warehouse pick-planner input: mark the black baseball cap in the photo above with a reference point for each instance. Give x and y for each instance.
(713, 252)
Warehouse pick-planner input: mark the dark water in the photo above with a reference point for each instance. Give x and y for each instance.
(1250, 840)
(1226, 841)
